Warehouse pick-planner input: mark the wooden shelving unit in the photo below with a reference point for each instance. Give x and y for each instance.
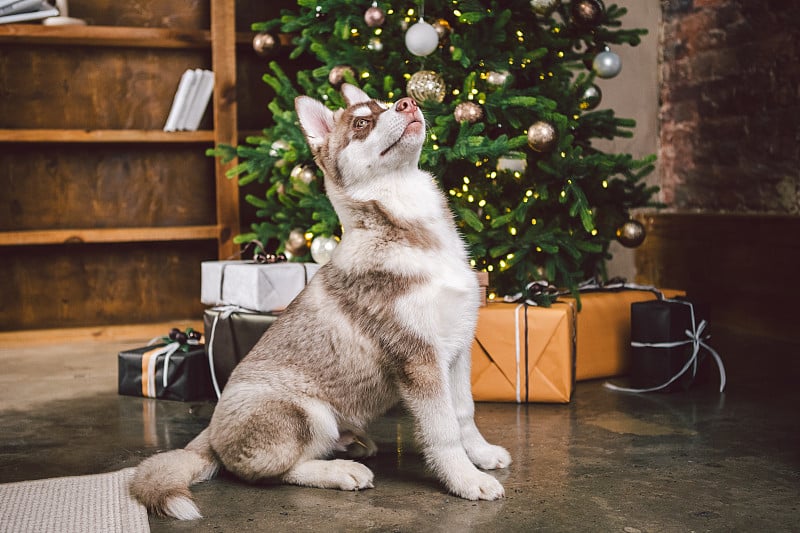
(81, 142)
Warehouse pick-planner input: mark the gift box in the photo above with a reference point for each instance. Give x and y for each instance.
(165, 371)
(229, 337)
(524, 354)
(668, 345)
(483, 284)
(261, 287)
(604, 330)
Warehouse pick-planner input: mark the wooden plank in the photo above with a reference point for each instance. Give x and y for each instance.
(105, 136)
(223, 60)
(102, 333)
(115, 36)
(743, 267)
(101, 284)
(107, 235)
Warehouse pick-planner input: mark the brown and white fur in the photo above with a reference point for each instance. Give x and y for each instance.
(390, 318)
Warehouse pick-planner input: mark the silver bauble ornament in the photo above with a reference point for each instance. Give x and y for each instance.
(544, 7)
(497, 78)
(264, 43)
(542, 136)
(422, 39)
(587, 13)
(374, 16)
(296, 243)
(469, 111)
(303, 173)
(337, 73)
(631, 233)
(322, 249)
(591, 97)
(606, 64)
(426, 86)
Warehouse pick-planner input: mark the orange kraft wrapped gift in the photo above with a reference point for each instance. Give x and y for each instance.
(524, 354)
(604, 330)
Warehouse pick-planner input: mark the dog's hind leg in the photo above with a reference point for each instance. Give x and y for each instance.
(286, 440)
(339, 474)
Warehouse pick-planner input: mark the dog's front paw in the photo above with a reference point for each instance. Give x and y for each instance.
(478, 486)
(488, 456)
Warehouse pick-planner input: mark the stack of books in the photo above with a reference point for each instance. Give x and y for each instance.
(23, 10)
(191, 99)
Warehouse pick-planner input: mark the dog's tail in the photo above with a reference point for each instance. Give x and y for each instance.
(161, 482)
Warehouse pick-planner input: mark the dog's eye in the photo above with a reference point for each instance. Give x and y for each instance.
(360, 123)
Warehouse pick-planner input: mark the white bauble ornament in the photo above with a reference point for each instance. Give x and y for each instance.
(422, 39)
(322, 248)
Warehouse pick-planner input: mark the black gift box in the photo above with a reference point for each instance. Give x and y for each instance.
(664, 323)
(188, 376)
(230, 336)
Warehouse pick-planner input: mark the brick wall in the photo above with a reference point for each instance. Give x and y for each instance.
(730, 106)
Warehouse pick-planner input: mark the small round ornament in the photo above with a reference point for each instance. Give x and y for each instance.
(264, 43)
(606, 64)
(442, 28)
(337, 75)
(426, 86)
(303, 173)
(296, 243)
(374, 16)
(422, 39)
(591, 97)
(587, 13)
(497, 78)
(375, 44)
(322, 249)
(631, 233)
(544, 7)
(469, 111)
(542, 136)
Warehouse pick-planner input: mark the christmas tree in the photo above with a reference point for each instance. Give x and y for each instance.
(508, 91)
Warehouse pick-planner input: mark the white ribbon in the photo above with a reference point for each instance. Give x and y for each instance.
(167, 352)
(696, 338)
(223, 312)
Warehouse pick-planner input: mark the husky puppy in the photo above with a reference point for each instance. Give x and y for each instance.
(390, 318)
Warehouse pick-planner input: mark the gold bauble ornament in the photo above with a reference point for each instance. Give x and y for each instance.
(631, 233)
(426, 86)
(544, 7)
(374, 16)
(337, 73)
(304, 173)
(542, 136)
(442, 28)
(264, 43)
(469, 111)
(296, 243)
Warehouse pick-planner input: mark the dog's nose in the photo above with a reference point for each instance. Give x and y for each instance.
(406, 105)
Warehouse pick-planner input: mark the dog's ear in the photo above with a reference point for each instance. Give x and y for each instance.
(353, 95)
(315, 119)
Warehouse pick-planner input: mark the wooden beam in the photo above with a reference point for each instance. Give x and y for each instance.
(108, 235)
(104, 36)
(105, 136)
(223, 61)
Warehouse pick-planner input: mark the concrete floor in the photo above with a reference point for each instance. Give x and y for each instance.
(693, 461)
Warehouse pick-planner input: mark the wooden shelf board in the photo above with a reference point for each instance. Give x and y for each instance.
(108, 235)
(105, 136)
(121, 36)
